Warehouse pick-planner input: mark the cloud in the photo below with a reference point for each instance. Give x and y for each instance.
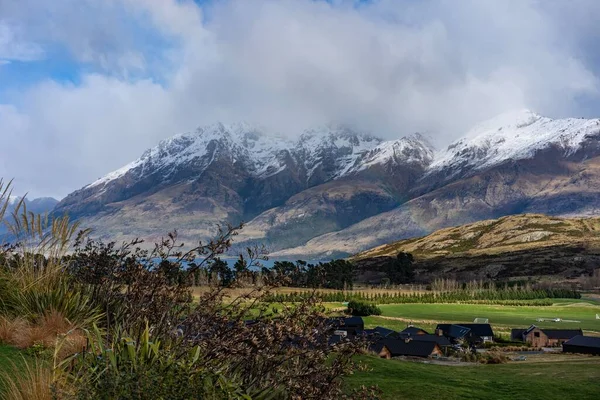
(154, 68)
(12, 47)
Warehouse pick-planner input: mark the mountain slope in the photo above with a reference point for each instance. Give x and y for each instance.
(335, 191)
(220, 173)
(560, 176)
(510, 233)
(520, 245)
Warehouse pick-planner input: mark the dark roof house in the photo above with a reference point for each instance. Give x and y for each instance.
(473, 333)
(348, 324)
(442, 341)
(453, 332)
(411, 348)
(413, 330)
(540, 337)
(517, 334)
(481, 330)
(582, 344)
(385, 332)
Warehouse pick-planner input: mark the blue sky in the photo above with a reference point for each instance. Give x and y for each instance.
(87, 85)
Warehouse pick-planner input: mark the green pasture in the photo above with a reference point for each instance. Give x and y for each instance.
(567, 377)
(504, 316)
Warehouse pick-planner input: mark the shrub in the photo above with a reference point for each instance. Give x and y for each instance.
(493, 357)
(144, 369)
(363, 309)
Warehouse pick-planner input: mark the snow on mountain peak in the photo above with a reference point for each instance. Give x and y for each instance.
(263, 153)
(513, 135)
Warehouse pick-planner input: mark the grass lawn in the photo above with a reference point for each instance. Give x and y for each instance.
(566, 377)
(501, 316)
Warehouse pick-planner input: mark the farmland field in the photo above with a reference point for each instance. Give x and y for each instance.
(551, 377)
(501, 317)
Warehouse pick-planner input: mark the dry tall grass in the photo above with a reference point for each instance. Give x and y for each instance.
(52, 331)
(31, 382)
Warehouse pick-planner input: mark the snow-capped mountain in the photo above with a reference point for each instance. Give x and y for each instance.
(518, 162)
(350, 187)
(514, 135)
(228, 173)
(323, 154)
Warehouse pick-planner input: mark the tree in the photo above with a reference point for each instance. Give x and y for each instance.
(222, 271)
(400, 269)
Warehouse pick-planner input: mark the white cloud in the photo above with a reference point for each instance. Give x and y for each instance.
(392, 67)
(12, 47)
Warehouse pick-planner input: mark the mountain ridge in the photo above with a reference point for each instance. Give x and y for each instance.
(335, 190)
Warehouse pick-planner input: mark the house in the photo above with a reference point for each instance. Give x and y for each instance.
(385, 332)
(472, 333)
(410, 348)
(453, 332)
(441, 340)
(582, 344)
(481, 331)
(413, 331)
(541, 337)
(349, 324)
(381, 350)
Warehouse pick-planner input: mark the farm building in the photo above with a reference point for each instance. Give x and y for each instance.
(582, 344)
(539, 337)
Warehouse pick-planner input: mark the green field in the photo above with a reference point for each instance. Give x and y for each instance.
(503, 317)
(566, 377)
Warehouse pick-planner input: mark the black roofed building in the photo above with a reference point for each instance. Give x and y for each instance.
(442, 341)
(582, 344)
(350, 325)
(542, 337)
(452, 331)
(410, 348)
(482, 331)
(413, 331)
(385, 332)
(473, 333)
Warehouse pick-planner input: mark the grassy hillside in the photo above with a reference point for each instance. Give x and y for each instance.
(512, 233)
(517, 245)
(547, 377)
